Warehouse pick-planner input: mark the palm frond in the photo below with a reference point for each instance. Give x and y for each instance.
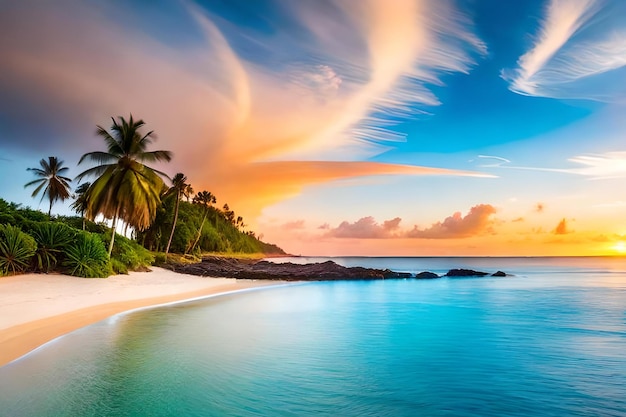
(98, 157)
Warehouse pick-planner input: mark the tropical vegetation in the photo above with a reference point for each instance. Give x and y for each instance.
(165, 222)
(125, 188)
(55, 186)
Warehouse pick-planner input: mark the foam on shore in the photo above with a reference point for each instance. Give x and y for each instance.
(37, 308)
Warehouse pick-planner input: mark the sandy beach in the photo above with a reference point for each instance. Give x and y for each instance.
(37, 308)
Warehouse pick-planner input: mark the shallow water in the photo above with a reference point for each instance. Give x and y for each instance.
(550, 341)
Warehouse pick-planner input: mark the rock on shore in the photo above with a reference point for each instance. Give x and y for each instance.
(325, 271)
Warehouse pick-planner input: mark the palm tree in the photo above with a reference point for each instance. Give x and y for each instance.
(179, 187)
(204, 199)
(229, 215)
(80, 203)
(57, 187)
(239, 223)
(125, 188)
(188, 192)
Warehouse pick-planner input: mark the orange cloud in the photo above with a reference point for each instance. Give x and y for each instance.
(477, 221)
(540, 207)
(252, 186)
(237, 128)
(561, 228)
(294, 225)
(366, 228)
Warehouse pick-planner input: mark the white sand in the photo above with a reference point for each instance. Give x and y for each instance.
(36, 308)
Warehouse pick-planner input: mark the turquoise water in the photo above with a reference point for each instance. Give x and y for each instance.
(550, 341)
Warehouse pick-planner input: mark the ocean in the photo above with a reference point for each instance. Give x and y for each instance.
(548, 341)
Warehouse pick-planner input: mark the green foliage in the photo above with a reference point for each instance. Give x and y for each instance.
(160, 258)
(52, 240)
(130, 255)
(124, 187)
(118, 267)
(218, 232)
(76, 222)
(16, 250)
(87, 257)
(50, 179)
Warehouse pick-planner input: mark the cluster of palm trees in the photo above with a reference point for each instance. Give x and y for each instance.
(124, 187)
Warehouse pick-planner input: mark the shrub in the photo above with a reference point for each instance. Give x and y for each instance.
(52, 240)
(160, 258)
(118, 267)
(87, 257)
(16, 249)
(129, 253)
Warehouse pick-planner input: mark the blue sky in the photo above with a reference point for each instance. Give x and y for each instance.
(323, 122)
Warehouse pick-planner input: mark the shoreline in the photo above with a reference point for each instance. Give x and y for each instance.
(38, 308)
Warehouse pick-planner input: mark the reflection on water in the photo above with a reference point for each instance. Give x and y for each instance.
(551, 342)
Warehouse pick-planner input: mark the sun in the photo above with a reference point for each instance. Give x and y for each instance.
(619, 247)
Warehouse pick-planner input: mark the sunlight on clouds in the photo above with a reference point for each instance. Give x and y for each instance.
(257, 185)
(601, 166)
(577, 40)
(220, 113)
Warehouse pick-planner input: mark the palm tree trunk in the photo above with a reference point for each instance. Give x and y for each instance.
(169, 242)
(113, 231)
(50, 211)
(199, 234)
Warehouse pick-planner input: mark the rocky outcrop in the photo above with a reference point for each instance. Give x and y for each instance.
(426, 275)
(212, 266)
(465, 273)
(325, 271)
(499, 274)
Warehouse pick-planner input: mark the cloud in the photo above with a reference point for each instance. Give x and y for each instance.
(252, 116)
(595, 166)
(578, 41)
(540, 207)
(496, 161)
(293, 225)
(518, 220)
(601, 166)
(477, 221)
(257, 185)
(561, 228)
(366, 228)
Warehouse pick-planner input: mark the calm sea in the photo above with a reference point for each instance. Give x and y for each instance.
(549, 341)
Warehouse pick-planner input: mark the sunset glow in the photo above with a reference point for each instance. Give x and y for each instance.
(375, 127)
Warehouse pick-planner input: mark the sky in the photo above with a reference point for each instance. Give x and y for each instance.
(343, 127)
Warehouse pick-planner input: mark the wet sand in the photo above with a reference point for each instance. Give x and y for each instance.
(37, 308)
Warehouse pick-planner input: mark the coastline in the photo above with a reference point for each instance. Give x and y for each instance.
(38, 308)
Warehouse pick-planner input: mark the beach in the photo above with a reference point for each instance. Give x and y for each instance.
(37, 308)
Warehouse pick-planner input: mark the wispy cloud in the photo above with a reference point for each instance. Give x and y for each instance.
(253, 127)
(595, 166)
(577, 41)
(293, 225)
(496, 161)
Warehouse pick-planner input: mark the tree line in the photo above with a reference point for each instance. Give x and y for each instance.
(163, 213)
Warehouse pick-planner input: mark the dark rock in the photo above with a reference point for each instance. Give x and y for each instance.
(325, 271)
(426, 275)
(499, 274)
(465, 273)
